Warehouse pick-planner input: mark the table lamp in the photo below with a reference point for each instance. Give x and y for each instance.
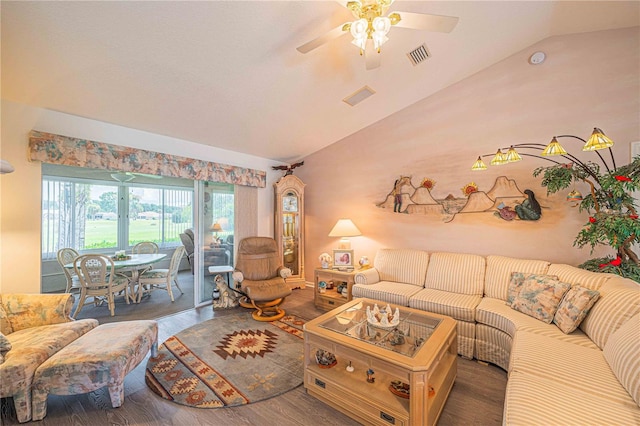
(345, 228)
(216, 228)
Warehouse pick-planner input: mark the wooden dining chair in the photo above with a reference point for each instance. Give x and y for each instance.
(163, 279)
(65, 256)
(99, 281)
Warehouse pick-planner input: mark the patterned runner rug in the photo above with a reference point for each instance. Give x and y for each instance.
(228, 361)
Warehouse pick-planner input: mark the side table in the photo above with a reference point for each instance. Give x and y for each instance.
(223, 269)
(331, 298)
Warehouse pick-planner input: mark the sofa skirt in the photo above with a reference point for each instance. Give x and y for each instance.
(493, 345)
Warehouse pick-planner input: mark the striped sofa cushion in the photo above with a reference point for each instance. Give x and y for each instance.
(619, 301)
(576, 337)
(402, 265)
(458, 306)
(499, 269)
(622, 352)
(532, 399)
(572, 275)
(495, 313)
(549, 358)
(456, 272)
(386, 291)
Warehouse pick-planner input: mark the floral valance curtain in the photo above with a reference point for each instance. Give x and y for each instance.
(68, 151)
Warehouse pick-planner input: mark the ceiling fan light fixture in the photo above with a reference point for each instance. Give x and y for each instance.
(371, 27)
(359, 33)
(381, 26)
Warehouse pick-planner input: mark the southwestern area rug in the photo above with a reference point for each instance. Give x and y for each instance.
(228, 361)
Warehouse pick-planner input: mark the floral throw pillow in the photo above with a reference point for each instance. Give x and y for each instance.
(5, 346)
(517, 279)
(574, 308)
(539, 297)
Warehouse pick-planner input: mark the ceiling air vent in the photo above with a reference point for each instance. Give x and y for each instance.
(359, 96)
(419, 54)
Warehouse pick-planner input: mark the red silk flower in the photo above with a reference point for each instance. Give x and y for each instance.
(623, 179)
(592, 220)
(615, 262)
(633, 216)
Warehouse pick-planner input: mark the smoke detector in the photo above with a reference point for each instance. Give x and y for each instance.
(537, 58)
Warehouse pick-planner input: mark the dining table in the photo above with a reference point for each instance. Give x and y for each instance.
(133, 263)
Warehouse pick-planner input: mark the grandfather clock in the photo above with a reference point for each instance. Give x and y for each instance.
(289, 226)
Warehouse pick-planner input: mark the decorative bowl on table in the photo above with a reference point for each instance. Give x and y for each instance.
(121, 257)
(400, 389)
(383, 318)
(325, 359)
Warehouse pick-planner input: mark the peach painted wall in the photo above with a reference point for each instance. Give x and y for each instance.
(588, 80)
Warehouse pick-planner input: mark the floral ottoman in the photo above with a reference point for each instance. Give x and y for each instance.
(102, 357)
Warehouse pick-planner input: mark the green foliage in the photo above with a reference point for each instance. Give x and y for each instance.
(109, 202)
(555, 178)
(614, 216)
(611, 229)
(626, 269)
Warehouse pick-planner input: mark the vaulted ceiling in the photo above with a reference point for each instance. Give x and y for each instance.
(227, 73)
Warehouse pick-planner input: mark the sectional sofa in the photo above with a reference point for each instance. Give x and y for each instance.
(568, 338)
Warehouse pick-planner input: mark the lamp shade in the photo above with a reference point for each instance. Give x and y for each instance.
(216, 227)
(345, 228)
(479, 165)
(512, 155)
(499, 159)
(598, 140)
(554, 148)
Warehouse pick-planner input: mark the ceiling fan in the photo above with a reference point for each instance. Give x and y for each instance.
(128, 176)
(371, 26)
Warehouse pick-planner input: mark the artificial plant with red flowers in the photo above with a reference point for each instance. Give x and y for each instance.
(612, 207)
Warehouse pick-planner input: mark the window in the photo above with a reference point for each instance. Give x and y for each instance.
(86, 214)
(158, 214)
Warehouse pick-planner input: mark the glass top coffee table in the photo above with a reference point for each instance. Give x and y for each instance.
(379, 373)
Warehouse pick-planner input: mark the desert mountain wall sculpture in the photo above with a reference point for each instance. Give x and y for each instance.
(406, 198)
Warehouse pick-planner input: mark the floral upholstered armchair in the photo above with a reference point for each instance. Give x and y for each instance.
(33, 327)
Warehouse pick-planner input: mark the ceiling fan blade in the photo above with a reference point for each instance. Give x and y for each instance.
(421, 21)
(371, 56)
(147, 175)
(325, 38)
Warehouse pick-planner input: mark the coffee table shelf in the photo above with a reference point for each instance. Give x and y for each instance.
(434, 364)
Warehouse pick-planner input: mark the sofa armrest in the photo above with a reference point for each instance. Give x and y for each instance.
(33, 310)
(368, 276)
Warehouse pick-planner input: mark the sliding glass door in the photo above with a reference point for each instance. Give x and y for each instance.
(215, 236)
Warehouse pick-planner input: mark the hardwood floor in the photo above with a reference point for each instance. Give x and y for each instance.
(476, 399)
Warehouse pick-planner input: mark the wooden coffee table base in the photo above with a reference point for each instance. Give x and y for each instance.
(433, 366)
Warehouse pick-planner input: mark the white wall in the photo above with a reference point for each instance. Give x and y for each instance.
(20, 191)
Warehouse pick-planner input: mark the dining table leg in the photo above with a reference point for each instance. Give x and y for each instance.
(135, 293)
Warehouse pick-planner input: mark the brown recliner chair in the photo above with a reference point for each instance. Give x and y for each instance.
(261, 276)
